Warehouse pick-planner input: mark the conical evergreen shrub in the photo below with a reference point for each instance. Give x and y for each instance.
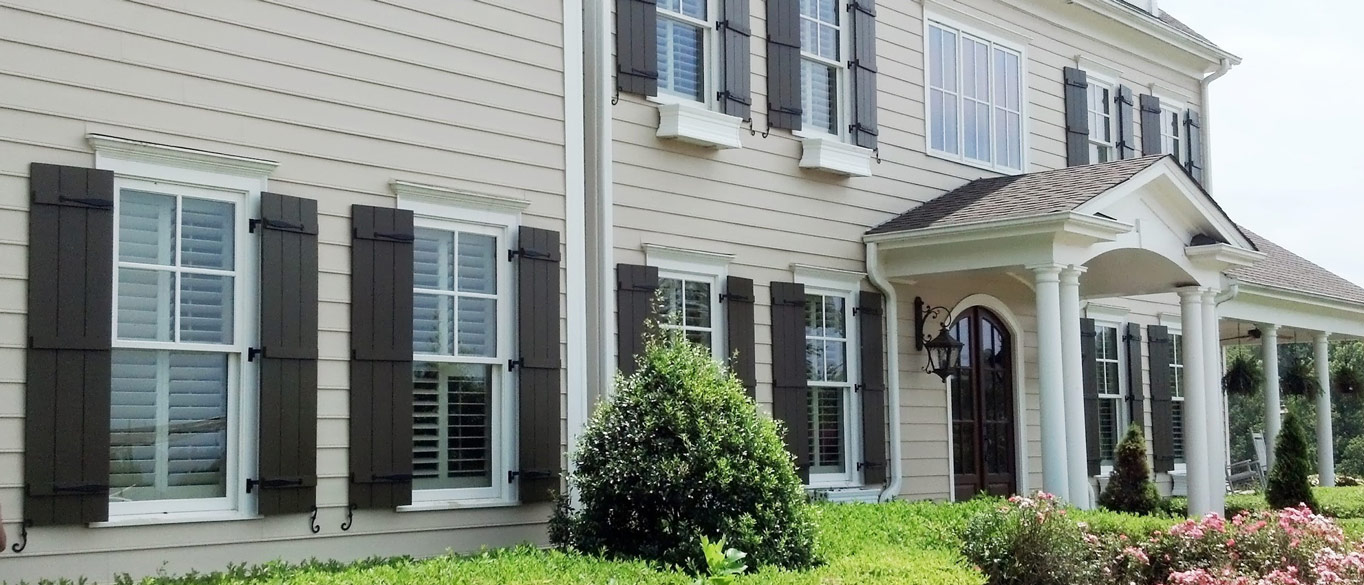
(1288, 485)
(1129, 485)
(680, 453)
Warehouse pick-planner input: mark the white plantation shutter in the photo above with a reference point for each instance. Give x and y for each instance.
(132, 428)
(196, 420)
(477, 274)
(426, 417)
(145, 298)
(681, 52)
(451, 445)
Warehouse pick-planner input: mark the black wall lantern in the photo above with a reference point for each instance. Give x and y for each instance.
(944, 351)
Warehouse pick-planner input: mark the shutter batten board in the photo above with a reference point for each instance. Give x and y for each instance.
(1162, 391)
(790, 392)
(1077, 116)
(1136, 409)
(637, 47)
(736, 56)
(863, 127)
(68, 362)
(739, 323)
(635, 289)
(381, 357)
(538, 315)
(289, 336)
(871, 331)
(783, 64)
(1089, 368)
(1150, 125)
(1127, 141)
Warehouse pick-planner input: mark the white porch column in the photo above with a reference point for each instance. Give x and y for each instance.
(1195, 401)
(1077, 459)
(1051, 379)
(1269, 346)
(1212, 371)
(1326, 449)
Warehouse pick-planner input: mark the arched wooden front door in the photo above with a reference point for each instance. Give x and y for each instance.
(983, 439)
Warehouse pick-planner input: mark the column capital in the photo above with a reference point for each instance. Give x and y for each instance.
(1322, 337)
(1071, 274)
(1267, 329)
(1047, 272)
(1191, 293)
(1210, 294)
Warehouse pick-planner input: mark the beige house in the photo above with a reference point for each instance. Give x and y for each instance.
(222, 217)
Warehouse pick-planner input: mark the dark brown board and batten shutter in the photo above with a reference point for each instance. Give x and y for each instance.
(70, 304)
(862, 68)
(790, 393)
(637, 46)
(739, 324)
(381, 357)
(1127, 138)
(635, 288)
(287, 478)
(871, 330)
(1162, 390)
(1150, 125)
(1077, 117)
(1089, 374)
(783, 64)
(1193, 133)
(538, 366)
(736, 56)
(1136, 408)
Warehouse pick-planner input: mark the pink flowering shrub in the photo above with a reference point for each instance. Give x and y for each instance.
(1286, 547)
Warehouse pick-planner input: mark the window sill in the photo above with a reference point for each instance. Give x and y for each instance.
(176, 518)
(831, 155)
(472, 504)
(849, 495)
(694, 124)
(961, 160)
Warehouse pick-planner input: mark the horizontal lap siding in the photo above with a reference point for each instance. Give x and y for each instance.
(756, 204)
(346, 96)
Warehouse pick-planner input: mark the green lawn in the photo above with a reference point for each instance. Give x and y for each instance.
(889, 544)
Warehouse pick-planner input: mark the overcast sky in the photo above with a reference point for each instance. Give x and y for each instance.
(1288, 123)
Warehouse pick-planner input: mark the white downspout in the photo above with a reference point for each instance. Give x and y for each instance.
(575, 227)
(878, 279)
(1207, 121)
(598, 37)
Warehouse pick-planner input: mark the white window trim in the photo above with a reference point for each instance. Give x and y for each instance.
(193, 172)
(1107, 467)
(847, 284)
(996, 36)
(699, 122)
(702, 266)
(710, 59)
(1108, 77)
(437, 208)
(1180, 464)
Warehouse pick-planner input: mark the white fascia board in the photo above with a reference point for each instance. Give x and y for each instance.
(1148, 24)
(1299, 311)
(1062, 223)
(1251, 292)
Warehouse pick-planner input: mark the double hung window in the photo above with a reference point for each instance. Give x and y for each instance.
(1110, 383)
(829, 371)
(183, 312)
(690, 303)
(822, 68)
(1172, 132)
(684, 41)
(460, 345)
(1177, 396)
(1102, 121)
(975, 98)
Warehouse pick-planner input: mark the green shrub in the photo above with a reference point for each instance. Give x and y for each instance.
(1352, 458)
(680, 453)
(1129, 485)
(1288, 485)
(1028, 542)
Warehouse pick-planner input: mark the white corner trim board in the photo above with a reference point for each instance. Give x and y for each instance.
(178, 156)
(829, 154)
(697, 125)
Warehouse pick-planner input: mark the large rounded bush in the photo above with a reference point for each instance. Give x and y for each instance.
(680, 453)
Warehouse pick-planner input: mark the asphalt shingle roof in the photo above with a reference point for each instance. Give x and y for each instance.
(1018, 195)
(1285, 270)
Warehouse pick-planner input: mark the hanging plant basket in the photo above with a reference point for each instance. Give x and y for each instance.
(1347, 378)
(1244, 375)
(1299, 378)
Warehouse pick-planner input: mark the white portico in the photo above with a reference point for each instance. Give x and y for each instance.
(1133, 227)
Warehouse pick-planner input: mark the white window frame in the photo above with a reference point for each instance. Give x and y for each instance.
(1101, 76)
(1176, 388)
(697, 266)
(846, 284)
(996, 38)
(843, 89)
(710, 61)
(1120, 428)
(240, 180)
(456, 210)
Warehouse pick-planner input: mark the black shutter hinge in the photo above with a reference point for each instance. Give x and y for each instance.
(88, 202)
(858, 387)
(733, 97)
(724, 24)
(868, 465)
(530, 475)
(274, 224)
(80, 488)
(513, 364)
(528, 254)
(251, 354)
(272, 483)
